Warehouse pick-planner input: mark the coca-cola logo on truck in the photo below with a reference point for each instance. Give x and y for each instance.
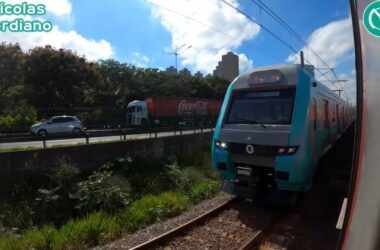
(188, 108)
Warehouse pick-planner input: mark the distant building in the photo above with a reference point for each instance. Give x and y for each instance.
(228, 67)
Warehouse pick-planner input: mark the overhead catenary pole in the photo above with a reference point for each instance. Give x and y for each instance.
(339, 91)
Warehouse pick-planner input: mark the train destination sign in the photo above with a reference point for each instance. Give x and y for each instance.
(266, 77)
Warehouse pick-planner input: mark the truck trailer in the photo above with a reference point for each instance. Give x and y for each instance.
(168, 111)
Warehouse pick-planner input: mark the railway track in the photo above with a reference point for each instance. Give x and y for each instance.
(231, 225)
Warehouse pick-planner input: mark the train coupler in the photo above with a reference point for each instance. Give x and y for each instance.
(253, 182)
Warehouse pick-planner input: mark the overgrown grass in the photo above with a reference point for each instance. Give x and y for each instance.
(160, 193)
(153, 208)
(98, 228)
(92, 230)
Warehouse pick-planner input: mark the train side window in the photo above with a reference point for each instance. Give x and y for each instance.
(315, 114)
(337, 115)
(333, 113)
(326, 118)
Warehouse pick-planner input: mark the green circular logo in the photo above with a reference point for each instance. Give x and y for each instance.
(371, 18)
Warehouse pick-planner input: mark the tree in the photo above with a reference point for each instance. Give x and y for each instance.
(54, 82)
(59, 78)
(12, 61)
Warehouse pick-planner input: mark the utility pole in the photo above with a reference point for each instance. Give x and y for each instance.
(176, 53)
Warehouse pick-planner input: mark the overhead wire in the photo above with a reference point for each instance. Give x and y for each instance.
(273, 34)
(291, 30)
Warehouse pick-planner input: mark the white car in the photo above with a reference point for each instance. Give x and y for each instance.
(57, 125)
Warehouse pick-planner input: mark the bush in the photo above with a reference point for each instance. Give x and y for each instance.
(144, 175)
(201, 161)
(18, 120)
(103, 198)
(6, 122)
(184, 178)
(101, 191)
(204, 190)
(179, 178)
(65, 174)
(55, 204)
(18, 215)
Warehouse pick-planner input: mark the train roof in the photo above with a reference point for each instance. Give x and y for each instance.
(285, 68)
(288, 71)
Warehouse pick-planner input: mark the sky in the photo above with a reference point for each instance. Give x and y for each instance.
(145, 32)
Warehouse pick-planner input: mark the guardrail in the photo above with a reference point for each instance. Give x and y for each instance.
(86, 135)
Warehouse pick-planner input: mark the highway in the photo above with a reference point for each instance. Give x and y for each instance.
(76, 141)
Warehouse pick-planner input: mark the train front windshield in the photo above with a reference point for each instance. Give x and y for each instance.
(261, 107)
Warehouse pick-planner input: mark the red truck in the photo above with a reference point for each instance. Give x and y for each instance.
(163, 111)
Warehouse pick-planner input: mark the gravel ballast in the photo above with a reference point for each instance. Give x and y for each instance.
(230, 229)
(129, 241)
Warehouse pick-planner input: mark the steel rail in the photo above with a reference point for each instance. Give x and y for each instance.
(175, 231)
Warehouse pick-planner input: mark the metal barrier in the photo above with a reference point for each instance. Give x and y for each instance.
(86, 135)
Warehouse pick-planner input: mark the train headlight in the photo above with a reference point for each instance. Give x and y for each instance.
(292, 150)
(281, 150)
(287, 150)
(222, 145)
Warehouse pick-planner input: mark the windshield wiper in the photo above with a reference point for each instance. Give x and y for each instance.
(251, 122)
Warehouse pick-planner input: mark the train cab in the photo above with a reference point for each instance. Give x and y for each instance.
(266, 135)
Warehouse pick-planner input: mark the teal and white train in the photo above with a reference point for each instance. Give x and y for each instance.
(274, 125)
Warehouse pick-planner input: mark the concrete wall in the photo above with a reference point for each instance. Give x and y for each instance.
(17, 167)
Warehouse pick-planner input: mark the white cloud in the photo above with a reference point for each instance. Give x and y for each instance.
(91, 49)
(140, 60)
(332, 42)
(245, 63)
(217, 29)
(56, 7)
